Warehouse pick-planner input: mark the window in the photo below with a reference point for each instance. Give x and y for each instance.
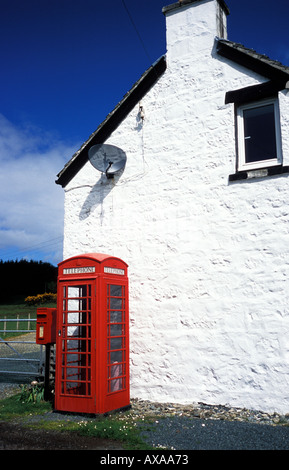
(259, 135)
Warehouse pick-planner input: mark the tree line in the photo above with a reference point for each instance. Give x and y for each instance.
(23, 278)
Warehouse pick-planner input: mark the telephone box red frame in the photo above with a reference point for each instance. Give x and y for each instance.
(92, 335)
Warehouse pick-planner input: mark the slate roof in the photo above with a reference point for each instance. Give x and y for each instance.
(254, 61)
(277, 73)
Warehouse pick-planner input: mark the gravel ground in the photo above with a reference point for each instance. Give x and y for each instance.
(8, 389)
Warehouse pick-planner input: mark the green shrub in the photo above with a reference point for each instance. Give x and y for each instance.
(33, 393)
(41, 299)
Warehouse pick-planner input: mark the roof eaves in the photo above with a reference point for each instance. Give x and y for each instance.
(112, 121)
(254, 61)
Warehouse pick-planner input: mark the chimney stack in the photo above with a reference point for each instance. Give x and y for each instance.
(222, 11)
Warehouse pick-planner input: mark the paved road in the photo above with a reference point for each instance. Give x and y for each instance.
(184, 433)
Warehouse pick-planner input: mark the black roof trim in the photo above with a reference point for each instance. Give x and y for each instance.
(112, 121)
(251, 60)
(253, 93)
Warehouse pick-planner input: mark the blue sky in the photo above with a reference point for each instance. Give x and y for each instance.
(65, 64)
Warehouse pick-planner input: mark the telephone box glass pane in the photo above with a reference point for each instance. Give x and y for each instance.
(115, 343)
(115, 317)
(116, 329)
(115, 291)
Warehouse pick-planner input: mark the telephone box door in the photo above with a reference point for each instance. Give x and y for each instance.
(75, 349)
(116, 379)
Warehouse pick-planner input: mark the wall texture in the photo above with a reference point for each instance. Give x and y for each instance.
(208, 258)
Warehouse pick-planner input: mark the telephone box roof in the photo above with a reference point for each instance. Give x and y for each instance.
(99, 257)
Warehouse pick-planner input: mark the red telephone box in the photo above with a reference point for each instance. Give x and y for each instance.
(45, 326)
(92, 335)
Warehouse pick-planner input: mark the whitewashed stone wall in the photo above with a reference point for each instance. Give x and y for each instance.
(208, 259)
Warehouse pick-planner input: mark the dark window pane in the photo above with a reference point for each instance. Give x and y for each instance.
(115, 343)
(259, 133)
(116, 303)
(116, 291)
(116, 356)
(116, 330)
(115, 317)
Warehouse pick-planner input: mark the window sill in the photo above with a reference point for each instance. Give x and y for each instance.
(259, 173)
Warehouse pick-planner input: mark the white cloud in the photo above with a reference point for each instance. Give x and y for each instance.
(31, 210)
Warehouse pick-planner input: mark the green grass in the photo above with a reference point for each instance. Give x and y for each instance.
(11, 310)
(120, 426)
(13, 407)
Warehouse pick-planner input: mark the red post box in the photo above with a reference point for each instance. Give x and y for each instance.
(46, 326)
(92, 335)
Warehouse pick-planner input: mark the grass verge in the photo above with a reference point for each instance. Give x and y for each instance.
(13, 408)
(122, 427)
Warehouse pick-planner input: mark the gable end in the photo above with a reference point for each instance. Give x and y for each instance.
(251, 60)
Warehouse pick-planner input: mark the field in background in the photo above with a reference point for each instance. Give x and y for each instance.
(23, 317)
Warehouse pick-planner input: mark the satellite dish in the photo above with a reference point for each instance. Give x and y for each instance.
(107, 158)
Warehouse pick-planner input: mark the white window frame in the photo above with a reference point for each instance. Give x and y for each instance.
(242, 165)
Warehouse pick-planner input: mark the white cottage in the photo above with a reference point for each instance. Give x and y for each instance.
(200, 213)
